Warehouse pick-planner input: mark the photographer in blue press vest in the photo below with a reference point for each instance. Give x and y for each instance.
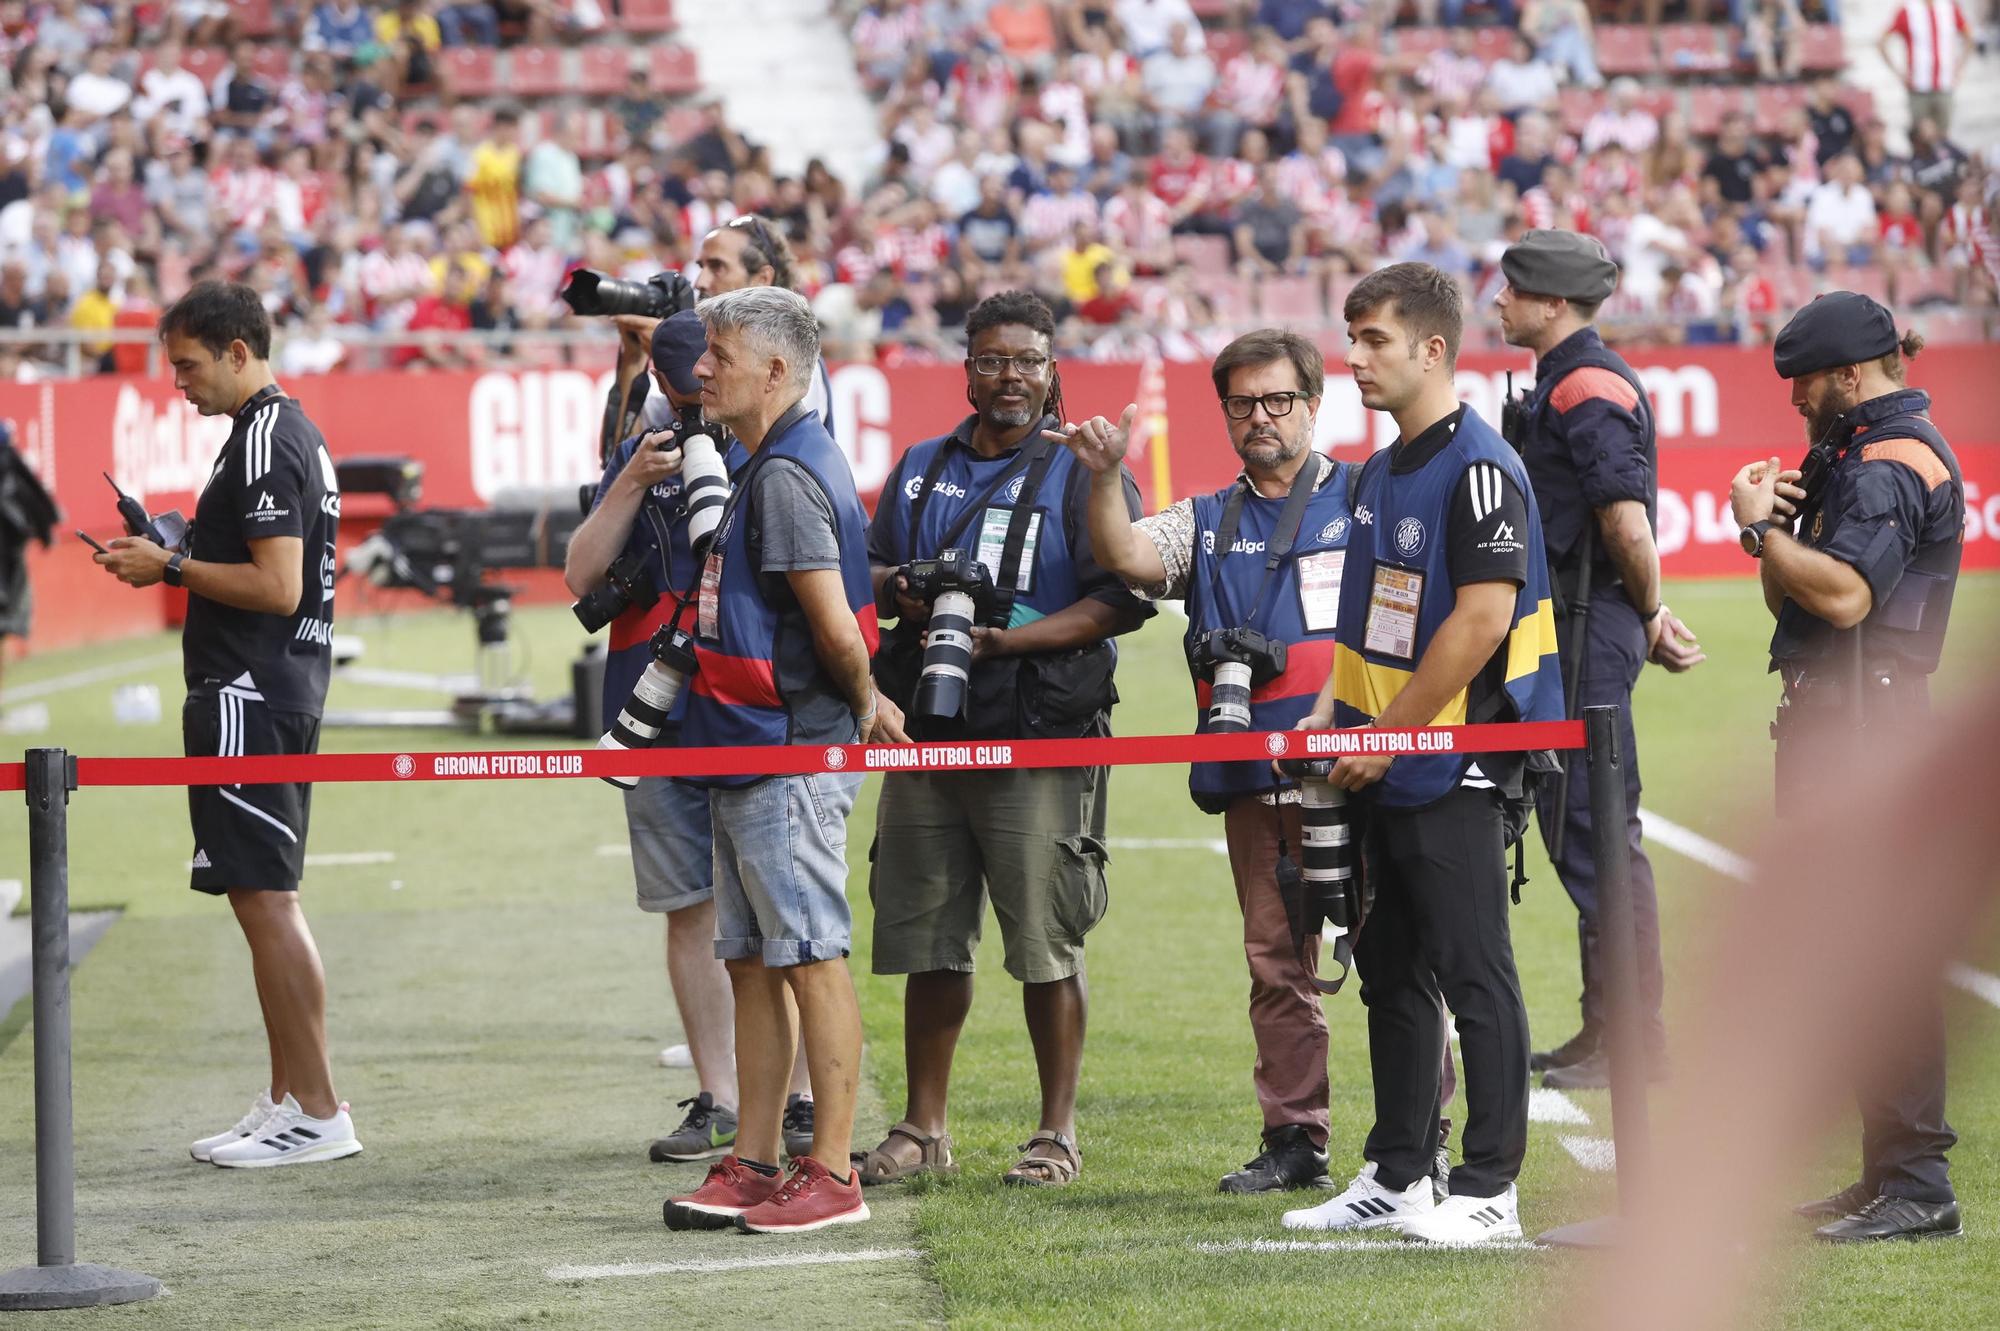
(1586, 436)
(1258, 563)
(633, 554)
(1445, 619)
(1859, 552)
(992, 518)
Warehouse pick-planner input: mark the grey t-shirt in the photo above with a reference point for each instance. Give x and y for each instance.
(795, 528)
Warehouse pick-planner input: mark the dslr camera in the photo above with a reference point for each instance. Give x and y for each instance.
(1234, 661)
(704, 478)
(627, 583)
(960, 593)
(589, 293)
(644, 715)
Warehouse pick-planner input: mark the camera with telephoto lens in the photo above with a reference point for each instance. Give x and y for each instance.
(644, 714)
(588, 292)
(959, 591)
(704, 489)
(627, 583)
(1235, 661)
(1326, 859)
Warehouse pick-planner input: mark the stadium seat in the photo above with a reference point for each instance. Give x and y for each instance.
(1917, 286)
(1230, 299)
(674, 71)
(603, 135)
(1692, 48)
(1823, 50)
(536, 71)
(604, 69)
(1870, 282)
(205, 62)
(646, 16)
(1947, 327)
(1657, 102)
(1708, 105)
(1771, 102)
(683, 123)
(1291, 301)
(273, 64)
(1626, 48)
(1207, 254)
(1225, 44)
(254, 18)
(1211, 9)
(1575, 107)
(1860, 103)
(1794, 284)
(1491, 44)
(469, 71)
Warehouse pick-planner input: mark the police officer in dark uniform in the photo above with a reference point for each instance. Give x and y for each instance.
(1586, 436)
(1862, 592)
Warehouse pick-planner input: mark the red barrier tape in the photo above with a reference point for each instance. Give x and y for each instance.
(787, 760)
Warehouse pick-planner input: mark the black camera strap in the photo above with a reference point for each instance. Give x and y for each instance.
(1026, 457)
(1282, 539)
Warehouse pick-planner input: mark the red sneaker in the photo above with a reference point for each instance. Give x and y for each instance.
(730, 1189)
(811, 1198)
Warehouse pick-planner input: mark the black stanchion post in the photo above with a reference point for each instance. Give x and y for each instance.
(1620, 959)
(57, 1280)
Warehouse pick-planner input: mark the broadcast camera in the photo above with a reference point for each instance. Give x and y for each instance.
(1235, 661)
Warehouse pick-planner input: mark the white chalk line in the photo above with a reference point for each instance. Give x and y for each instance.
(703, 1266)
(1216, 844)
(78, 679)
(345, 859)
(1980, 984)
(451, 685)
(1398, 1246)
(1597, 1154)
(1552, 1106)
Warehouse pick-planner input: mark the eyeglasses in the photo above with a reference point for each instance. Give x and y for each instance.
(1239, 406)
(1030, 367)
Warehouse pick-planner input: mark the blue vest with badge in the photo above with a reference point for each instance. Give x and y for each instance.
(660, 531)
(1397, 590)
(1297, 604)
(758, 680)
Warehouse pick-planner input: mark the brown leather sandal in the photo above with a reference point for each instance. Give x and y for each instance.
(1041, 1171)
(934, 1157)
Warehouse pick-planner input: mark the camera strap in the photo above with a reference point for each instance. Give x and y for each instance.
(1282, 539)
(1026, 457)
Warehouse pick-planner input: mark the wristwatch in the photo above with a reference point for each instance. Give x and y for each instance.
(171, 574)
(1653, 614)
(1752, 537)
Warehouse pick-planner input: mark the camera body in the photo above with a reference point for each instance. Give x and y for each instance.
(627, 583)
(960, 593)
(590, 293)
(951, 571)
(1306, 769)
(1234, 661)
(645, 713)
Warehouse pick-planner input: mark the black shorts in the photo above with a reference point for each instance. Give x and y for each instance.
(246, 836)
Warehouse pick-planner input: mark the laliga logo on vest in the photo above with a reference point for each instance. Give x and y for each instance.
(835, 757)
(1333, 531)
(1410, 536)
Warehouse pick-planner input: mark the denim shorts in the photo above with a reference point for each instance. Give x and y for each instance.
(781, 868)
(672, 851)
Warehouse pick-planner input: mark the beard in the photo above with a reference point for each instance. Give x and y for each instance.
(1266, 447)
(1011, 418)
(1821, 415)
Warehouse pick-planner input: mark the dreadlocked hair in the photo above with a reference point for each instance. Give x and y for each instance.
(1027, 310)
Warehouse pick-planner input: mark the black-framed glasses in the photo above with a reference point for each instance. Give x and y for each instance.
(1030, 366)
(1238, 406)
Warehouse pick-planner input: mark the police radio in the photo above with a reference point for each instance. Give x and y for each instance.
(1819, 462)
(1514, 416)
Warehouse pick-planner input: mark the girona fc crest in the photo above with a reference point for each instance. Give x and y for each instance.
(836, 757)
(405, 766)
(1276, 743)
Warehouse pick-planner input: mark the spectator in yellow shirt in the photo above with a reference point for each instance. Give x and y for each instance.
(1080, 262)
(495, 183)
(97, 308)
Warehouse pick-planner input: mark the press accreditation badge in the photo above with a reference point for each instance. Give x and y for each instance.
(708, 605)
(1319, 589)
(993, 526)
(1392, 612)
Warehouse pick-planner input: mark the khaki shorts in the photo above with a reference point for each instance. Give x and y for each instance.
(1033, 840)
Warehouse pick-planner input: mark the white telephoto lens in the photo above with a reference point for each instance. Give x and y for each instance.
(1229, 697)
(705, 482)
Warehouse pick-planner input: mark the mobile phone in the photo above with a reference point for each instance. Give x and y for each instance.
(90, 541)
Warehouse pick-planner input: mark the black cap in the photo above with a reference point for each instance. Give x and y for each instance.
(1547, 262)
(1839, 328)
(678, 342)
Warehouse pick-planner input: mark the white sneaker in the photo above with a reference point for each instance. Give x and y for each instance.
(676, 1056)
(1466, 1221)
(260, 1109)
(290, 1136)
(1366, 1205)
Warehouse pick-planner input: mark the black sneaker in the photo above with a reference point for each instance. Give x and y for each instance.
(1290, 1160)
(708, 1131)
(1843, 1203)
(1573, 1050)
(798, 1125)
(1594, 1072)
(1885, 1218)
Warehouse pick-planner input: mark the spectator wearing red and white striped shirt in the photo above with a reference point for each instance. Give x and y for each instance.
(1622, 121)
(396, 276)
(1454, 72)
(535, 269)
(1249, 93)
(884, 36)
(1935, 37)
(244, 188)
(1179, 177)
(1052, 215)
(1140, 226)
(915, 245)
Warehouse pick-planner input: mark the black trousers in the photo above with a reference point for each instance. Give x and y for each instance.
(1439, 934)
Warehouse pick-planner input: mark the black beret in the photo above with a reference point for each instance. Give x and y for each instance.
(1546, 262)
(1839, 328)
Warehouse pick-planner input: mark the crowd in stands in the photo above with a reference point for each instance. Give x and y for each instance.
(1164, 170)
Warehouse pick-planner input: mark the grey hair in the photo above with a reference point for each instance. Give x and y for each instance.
(776, 322)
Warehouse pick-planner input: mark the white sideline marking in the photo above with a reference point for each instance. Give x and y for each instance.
(78, 679)
(1597, 1154)
(607, 850)
(342, 859)
(1552, 1106)
(1216, 844)
(702, 1266)
(1273, 1246)
(1695, 846)
(409, 679)
(1977, 983)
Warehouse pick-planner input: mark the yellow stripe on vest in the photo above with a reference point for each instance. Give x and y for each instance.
(1368, 687)
(1532, 638)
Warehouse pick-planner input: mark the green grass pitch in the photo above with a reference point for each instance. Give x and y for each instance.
(496, 1001)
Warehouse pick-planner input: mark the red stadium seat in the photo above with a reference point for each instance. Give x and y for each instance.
(650, 16)
(1708, 105)
(674, 71)
(469, 71)
(1207, 254)
(1416, 44)
(683, 123)
(1575, 107)
(1692, 48)
(1211, 9)
(1795, 284)
(205, 62)
(536, 71)
(273, 64)
(1823, 50)
(1771, 103)
(1915, 286)
(1657, 102)
(1951, 327)
(1230, 299)
(603, 135)
(1870, 282)
(1491, 44)
(1860, 103)
(254, 18)
(604, 70)
(1291, 301)
(1225, 44)
(1626, 48)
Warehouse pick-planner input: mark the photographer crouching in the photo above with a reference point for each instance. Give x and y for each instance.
(980, 547)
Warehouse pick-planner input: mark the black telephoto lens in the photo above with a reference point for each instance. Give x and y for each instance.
(1327, 855)
(947, 658)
